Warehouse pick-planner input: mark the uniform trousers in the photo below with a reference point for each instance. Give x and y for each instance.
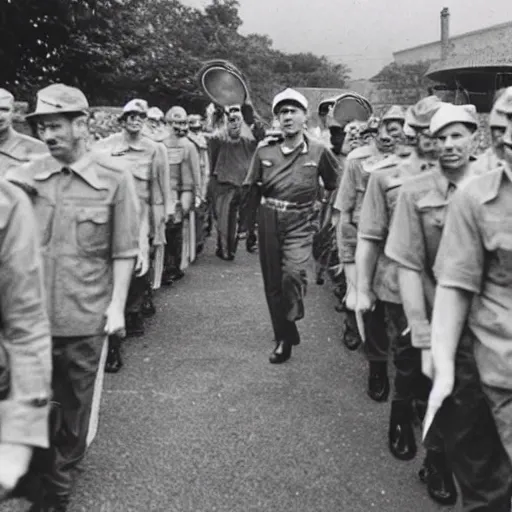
(76, 362)
(140, 288)
(228, 199)
(201, 219)
(173, 248)
(285, 239)
(474, 449)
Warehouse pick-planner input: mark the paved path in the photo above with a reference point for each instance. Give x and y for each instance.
(199, 421)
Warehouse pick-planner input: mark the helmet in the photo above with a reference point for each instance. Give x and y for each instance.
(176, 114)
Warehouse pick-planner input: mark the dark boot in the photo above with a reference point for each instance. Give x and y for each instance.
(378, 382)
(439, 479)
(281, 353)
(351, 338)
(251, 244)
(50, 504)
(148, 308)
(114, 362)
(402, 443)
(135, 324)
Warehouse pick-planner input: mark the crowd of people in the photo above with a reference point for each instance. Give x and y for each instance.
(409, 224)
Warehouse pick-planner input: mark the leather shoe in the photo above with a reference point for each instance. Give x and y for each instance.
(439, 479)
(281, 353)
(114, 362)
(50, 505)
(251, 244)
(402, 443)
(352, 339)
(148, 308)
(378, 382)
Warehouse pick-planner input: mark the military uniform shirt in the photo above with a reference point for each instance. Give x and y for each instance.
(475, 255)
(25, 326)
(88, 216)
(19, 149)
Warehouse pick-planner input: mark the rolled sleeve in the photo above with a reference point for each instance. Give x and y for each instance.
(374, 220)
(460, 259)
(26, 331)
(126, 223)
(405, 243)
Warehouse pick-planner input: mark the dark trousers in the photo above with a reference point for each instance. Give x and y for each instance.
(75, 365)
(285, 251)
(474, 449)
(376, 347)
(173, 248)
(228, 199)
(140, 288)
(249, 210)
(201, 223)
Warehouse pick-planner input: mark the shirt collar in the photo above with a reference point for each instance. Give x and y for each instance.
(83, 168)
(125, 144)
(287, 151)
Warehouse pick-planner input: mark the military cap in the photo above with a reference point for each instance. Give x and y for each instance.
(156, 114)
(449, 114)
(136, 105)
(289, 96)
(176, 114)
(59, 99)
(503, 104)
(5, 95)
(422, 112)
(394, 113)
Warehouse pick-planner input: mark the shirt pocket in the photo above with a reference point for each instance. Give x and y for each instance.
(433, 208)
(93, 229)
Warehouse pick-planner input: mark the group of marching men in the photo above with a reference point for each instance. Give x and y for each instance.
(424, 236)
(89, 229)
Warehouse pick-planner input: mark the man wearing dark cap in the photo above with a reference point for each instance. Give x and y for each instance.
(285, 228)
(15, 148)
(88, 230)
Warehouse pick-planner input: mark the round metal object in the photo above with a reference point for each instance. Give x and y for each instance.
(351, 107)
(223, 83)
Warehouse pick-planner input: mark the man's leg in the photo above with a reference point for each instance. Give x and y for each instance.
(376, 349)
(173, 249)
(75, 367)
(233, 221)
(224, 197)
(134, 301)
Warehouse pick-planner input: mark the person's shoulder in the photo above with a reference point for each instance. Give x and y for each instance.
(108, 141)
(360, 153)
(417, 186)
(107, 167)
(483, 187)
(31, 142)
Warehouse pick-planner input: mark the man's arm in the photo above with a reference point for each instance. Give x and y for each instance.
(163, 176)
(345, 203)
(329, 169)
(187, 180)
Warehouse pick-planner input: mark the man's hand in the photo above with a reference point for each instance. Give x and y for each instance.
(14, 462)
(115, 320)
(427, 363)
(142, 264)
(366, 300)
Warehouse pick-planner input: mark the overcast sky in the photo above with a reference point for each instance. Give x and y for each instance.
(362, 33)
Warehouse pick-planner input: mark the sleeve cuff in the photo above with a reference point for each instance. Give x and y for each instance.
(420, 334)
(403, 262)
(124, 255)
(461, 285)
(25, 423)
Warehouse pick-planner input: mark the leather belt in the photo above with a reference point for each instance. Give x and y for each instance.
(283, 206)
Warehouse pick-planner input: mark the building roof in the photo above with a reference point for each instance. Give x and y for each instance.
(458, 36)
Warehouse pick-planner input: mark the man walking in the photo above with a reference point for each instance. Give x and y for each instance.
(89, 230)
(287, 177)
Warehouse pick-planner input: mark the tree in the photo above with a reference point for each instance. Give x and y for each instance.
(399, 77)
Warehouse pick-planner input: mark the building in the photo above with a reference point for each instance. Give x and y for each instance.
(473, 65)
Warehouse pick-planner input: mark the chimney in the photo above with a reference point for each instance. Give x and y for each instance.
(445, 33)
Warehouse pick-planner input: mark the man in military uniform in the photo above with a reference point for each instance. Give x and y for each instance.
(413, 243)
(349, 199)
(195, 134)
(471, 315)
(25, 344)
(285, 229)
(146, 161)
(88, 230)
(155, 127)
(15, 148)
(377, 278)
(184, 171)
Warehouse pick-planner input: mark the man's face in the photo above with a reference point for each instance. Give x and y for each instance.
(180, 127)
(389, 135)
(234, 127)
(154, 124)
(134, 122)
(337, 138)
(497, 137)
(292, 120)
(6, 114)
(367, 138)
(61, 134)
(507, 141)
(426, 144)
(455, 145)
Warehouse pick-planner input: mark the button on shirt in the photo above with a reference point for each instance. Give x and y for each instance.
(87, 216)
(386, 178)
(18, 149)
(25, 330)
(475, 254)
(293, 176)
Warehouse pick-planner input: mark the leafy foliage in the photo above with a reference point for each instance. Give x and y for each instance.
(398, 77)
(115, 50)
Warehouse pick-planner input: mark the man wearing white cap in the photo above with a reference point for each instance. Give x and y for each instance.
(184, 171)
(88, 230)
(15, 148)
(146, 161)
(155, 127)
(285, 229)
(349, 200)
(472, 316)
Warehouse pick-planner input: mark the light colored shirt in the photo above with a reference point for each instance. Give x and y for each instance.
(18, 149)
